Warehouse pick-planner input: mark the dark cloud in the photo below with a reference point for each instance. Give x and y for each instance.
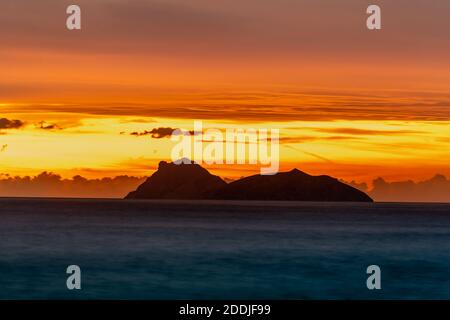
(156, 133)
(159, 133)
(10, 124)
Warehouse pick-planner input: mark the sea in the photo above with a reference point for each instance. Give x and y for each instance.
(139, 249)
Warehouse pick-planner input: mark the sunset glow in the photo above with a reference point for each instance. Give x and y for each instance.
(348, 103)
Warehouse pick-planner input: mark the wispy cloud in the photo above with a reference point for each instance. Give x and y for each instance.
(314, 155)
(269, 107)
(355, 131)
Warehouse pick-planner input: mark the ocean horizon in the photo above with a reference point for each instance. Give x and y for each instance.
(230, 202)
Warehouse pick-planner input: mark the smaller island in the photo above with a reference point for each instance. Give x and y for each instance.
(190, 181)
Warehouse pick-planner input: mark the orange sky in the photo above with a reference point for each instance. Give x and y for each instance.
(349, 102)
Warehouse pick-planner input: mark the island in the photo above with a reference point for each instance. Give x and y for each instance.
(190, 181)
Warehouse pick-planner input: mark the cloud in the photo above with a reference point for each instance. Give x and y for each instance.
(302, 139)
(168, 24)
(231, 27)
(10, 124)
(360, 186)
(436, 189)
(159, 133)
(314, 155)
(203, 43)
(355, 131)
(48, 126)
(272, 106)
(156, 133)
(48, 184)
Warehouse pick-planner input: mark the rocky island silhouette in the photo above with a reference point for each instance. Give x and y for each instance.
(190, 181)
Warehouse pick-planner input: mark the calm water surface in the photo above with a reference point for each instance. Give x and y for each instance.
(222, 250)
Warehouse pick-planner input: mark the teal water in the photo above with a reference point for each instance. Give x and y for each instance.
(222, 250)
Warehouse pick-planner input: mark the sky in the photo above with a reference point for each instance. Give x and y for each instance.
(349, 102)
